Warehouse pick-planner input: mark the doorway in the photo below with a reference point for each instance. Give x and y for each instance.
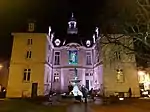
(87, 84)
(34, 89)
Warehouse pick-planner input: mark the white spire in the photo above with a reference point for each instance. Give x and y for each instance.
(94, 39)
(52, 37)
(49, 32)
(64, 42)
(97, 31)
(72, 15)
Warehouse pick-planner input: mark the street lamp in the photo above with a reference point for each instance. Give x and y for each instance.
(141, 73)
(1, 66)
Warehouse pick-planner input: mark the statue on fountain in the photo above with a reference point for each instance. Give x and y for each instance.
(76, 92)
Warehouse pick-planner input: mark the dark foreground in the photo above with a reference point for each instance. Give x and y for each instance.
(20, 105)
(15, 105)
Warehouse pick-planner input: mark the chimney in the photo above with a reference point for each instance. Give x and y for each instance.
(31, 26)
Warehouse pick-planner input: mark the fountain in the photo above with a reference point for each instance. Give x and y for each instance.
(75, 81)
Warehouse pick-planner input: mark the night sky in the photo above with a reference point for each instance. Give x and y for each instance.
(56, 13)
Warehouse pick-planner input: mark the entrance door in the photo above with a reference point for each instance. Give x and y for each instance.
(34, 89)
(87, 84)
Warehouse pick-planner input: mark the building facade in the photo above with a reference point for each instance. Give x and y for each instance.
(4, 72)
(119, 68)
(41, 63)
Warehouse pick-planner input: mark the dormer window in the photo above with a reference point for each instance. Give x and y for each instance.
(31, 27)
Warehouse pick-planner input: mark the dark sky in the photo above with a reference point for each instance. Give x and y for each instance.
(15, 13)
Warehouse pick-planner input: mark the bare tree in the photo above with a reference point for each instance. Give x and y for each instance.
(136, 36)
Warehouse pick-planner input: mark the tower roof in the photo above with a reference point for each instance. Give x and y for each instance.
(72, 25)
(72, 18)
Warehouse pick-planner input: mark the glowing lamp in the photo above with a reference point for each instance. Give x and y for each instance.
(88, 43)
(57, 42)
(1, 66)
(121, 99)
(145, 93)
(140, 73)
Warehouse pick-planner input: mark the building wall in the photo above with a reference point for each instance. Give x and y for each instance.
(4, 72)
(101, 76)
(48, 66)
(126, 63)
(47, 79)
(130, 80)
(66, 70)
(16, 86)
(98, 77)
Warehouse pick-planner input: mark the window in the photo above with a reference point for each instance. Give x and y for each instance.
(26, 75)
(47, 79)
(29, 42)
(88, 58)
(28, 54)
(48, 59)
(31, 27)
(91, 82)
(118, 55)
(57, 58)
(56, 77)
(73, 57)
(86, 74)
(120, 76)
(91, 74)
(49, 47)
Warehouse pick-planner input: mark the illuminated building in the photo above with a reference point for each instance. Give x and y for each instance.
(144, 79)
(41, 63)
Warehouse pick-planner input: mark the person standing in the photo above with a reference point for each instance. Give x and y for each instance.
(130, 93)
(84, 92)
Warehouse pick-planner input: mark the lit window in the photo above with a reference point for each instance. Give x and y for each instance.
(57, 58)
(56, 77)
(26, 75)
(73, 57)
(118, 55)
(28, 54)
(88, 58)
(29, 42)
(120, 76)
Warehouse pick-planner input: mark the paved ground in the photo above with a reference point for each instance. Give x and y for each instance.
(131, 106)
(19, 105)
(135, 105)
(79, 107)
